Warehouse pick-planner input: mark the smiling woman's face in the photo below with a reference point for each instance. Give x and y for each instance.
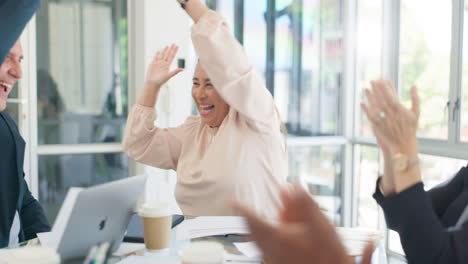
(211, 106)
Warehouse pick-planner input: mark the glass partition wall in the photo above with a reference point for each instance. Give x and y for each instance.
(302, 49)
(415, 49)
(298, 45)
(82, 95)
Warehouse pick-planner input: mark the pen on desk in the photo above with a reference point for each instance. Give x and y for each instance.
(91, 255)
(102, 253)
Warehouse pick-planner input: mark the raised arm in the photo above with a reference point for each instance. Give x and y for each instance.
(226, 63)
(195, 9)
(408, 208)
(143, 141)
(150, 145)
(158, 74)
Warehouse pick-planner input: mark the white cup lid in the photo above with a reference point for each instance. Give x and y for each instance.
(155, 210)
(203, 252)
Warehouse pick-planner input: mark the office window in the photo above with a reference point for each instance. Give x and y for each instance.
(58, 173)
(436, 169)
(464, 102)
(225, 7)
(369, 55)
(13, 108)
(82, 79)
(394, 243)
(314, 96)
(283, 65)
(320, 170)
(464, 125)
(464, 114)
(367, 173)
(298, 45)
(13, 111)
(425, 48)
(82, 88)
(255, 36)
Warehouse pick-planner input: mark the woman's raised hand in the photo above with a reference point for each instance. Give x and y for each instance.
(159, 69)
(393, 124)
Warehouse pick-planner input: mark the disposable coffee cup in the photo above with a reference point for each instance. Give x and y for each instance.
(157, 221)
(203, 252)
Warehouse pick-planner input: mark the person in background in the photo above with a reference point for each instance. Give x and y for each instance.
(21, 216)
(433, 225)
(304, 234)
(235, 147)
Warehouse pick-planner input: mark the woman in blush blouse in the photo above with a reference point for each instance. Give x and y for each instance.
(235, 148)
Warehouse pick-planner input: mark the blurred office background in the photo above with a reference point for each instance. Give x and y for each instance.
(85, 64)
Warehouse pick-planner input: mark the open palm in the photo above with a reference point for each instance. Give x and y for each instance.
(393, 124)
(159, 70)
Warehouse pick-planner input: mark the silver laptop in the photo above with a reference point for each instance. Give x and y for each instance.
(100, 214)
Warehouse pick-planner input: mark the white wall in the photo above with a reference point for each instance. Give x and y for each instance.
(166, 23)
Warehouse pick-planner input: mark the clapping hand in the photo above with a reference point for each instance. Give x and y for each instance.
(393, 124)
(395, 128)
(304, 234)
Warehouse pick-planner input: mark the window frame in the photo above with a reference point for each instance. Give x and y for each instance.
(453, 147)
(27, 100)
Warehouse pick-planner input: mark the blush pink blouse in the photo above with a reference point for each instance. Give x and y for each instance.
(244, 159)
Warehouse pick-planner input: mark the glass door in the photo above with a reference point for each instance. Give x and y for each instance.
(81, 100)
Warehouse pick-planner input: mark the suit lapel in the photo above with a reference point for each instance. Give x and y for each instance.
(19, 145)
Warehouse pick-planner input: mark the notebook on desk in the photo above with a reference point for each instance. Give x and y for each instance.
(135, 228)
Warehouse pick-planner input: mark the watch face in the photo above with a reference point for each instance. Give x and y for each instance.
(400, 162)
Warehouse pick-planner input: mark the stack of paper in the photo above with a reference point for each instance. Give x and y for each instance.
(211, 226)
(250, 249)
(152, 259)
(128, 248)
(149, 258)
(240, 259)
(355, 240)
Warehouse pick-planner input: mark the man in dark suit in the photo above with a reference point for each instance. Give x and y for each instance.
(21, 216)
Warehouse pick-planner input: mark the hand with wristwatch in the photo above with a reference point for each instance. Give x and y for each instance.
(395, 128)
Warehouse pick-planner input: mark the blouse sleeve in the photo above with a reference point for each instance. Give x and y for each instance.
(150, 145)
(235, 79)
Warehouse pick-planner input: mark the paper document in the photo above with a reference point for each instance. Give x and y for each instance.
(211, 226)
(152, 258)
(6, 255)
(355, 240)
(127, 248)
(249, 249)
(149, 258)
(48, 239)
(233, 259)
